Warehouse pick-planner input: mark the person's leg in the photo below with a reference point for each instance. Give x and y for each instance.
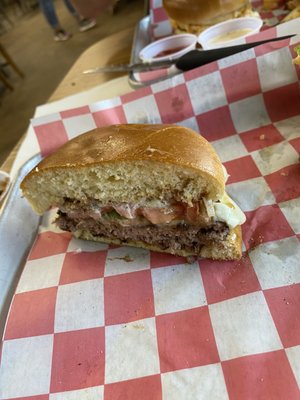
(71, 8)
(49, 12)
(84, 23)
(48, 9)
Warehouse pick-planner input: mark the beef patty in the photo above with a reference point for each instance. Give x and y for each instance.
(166, 236)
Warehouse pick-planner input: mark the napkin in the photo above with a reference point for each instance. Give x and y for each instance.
(92, 321)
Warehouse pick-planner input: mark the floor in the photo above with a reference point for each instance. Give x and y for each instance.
(45, 62)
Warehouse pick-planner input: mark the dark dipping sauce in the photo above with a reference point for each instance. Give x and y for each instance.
(169, 52)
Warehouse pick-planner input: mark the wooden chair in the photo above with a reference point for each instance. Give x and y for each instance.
(4, 80)
(10, 62)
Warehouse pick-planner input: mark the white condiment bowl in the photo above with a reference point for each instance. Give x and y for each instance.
(168, 48)
(4, 184)
(218, 35)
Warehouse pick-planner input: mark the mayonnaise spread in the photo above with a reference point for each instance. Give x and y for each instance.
(228, 211)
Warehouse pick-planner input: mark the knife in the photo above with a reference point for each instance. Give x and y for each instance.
(190, 60)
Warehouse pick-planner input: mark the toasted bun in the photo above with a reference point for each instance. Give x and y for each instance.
(193, 16)
(131, 163)
(229, 249)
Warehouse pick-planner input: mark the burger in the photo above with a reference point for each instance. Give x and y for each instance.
(158, 187)
(193, 16)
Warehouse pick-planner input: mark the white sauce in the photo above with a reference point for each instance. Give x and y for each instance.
(228, 211)
(226, 37)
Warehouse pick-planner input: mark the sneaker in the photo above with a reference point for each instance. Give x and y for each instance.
(86, 24)
(62, 35)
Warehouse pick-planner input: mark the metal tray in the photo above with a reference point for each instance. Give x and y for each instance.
(18, 229)
(141, 38)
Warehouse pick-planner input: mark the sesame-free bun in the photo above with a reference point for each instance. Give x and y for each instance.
(130, 163)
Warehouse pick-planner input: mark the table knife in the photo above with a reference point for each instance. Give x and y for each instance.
(190, 60)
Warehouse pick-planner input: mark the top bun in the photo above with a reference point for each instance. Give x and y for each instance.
(132, 163)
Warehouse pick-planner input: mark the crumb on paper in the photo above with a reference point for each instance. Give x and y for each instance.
(283, 173)
(260, 238)
(255, 242)
(286, 301)
(262, 137)
(138, 326)
(126, 258)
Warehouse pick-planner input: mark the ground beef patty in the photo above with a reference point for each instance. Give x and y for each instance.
(175, 236)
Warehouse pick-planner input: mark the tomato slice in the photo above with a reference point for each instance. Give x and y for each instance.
(194, 215)
(163, 215)
(197, 214)
(127, 211)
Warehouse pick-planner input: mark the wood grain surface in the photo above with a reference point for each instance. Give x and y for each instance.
(114, 49)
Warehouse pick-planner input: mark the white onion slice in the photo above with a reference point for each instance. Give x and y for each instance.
(209, 208)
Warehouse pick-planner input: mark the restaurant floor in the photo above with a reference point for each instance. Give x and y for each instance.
(45, 62)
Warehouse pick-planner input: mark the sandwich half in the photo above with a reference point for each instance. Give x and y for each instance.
(159, 187)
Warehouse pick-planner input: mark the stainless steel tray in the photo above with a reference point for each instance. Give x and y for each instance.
(18, 229)
(140, 39)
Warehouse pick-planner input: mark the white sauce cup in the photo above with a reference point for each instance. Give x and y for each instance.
(229, 33)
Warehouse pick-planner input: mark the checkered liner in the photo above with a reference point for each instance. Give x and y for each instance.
(160, 25)
(91, 321)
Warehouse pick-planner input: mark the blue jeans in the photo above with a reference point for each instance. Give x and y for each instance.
(48, 9)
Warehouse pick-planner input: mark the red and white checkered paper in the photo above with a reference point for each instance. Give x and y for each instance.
(160, 24)
(92, 321)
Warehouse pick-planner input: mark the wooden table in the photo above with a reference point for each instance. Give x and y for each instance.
(113, 49)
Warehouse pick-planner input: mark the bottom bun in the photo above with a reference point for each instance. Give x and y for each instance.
(229, 249)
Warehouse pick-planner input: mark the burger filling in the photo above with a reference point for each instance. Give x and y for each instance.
(168, 226)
